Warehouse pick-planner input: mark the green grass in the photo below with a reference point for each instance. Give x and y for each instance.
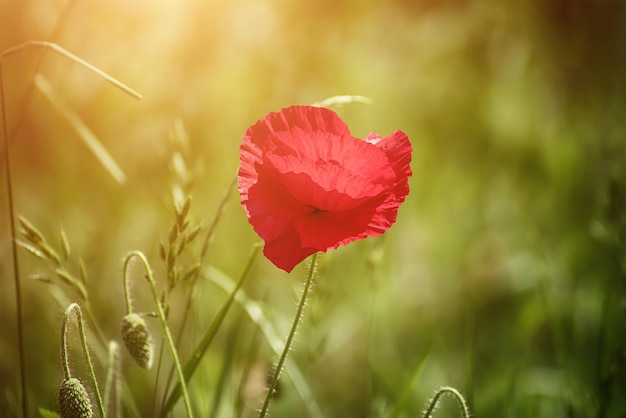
(504, 276)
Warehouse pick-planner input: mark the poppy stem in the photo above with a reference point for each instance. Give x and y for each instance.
(74, 307)
(161, 315)
(452, 391)
(290, 337)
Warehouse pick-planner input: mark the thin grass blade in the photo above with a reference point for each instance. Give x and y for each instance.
(88, 137)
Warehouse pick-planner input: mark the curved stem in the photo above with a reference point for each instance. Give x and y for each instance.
(166, 330)
(292, 334)
(127, 300)
(66, 365)
(83, 340)
(453, 392)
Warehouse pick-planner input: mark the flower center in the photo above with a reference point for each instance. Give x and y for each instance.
(315, 210)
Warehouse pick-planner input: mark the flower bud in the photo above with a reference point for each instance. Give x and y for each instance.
(137, 339)
(74, 400)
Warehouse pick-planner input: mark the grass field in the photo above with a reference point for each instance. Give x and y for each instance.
(504, 276)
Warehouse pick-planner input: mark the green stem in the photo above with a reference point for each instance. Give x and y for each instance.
(83, 340)
(66, 365)
(292, 334)
(16, 273)
(166, 329)
(127, 300)
(452, 391)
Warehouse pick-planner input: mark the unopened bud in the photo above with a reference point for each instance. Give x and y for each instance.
(74, 400)
(138, 340)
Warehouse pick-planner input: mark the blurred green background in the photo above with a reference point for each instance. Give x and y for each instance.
(503, 277)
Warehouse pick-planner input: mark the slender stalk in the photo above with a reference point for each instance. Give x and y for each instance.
(64, 52)
(83, 340)
(161, 314)
(452, 391)
(16, 273)
(292, 334)
(64, 361)
(127, 300)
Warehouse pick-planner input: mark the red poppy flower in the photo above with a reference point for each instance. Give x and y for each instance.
(308, 185)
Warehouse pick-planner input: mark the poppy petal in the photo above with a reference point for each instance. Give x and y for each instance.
(398, 150)
(286, 252)
(306, 118)
(307, 185)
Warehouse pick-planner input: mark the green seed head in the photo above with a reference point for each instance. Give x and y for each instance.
(74, 400)
(137, 339)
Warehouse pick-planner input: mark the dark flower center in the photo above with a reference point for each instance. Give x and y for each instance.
(315, 210)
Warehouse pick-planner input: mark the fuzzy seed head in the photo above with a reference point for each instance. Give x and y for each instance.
(138, 340)
(74, 400)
